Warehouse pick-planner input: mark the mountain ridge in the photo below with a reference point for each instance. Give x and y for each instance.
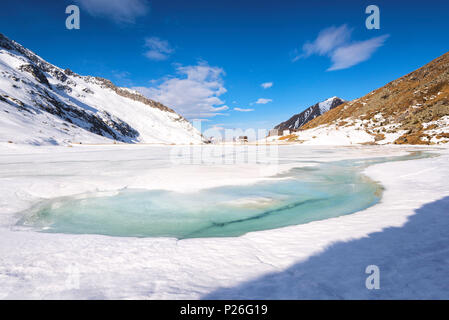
(60, 106)
(414, 109)
(298, 120)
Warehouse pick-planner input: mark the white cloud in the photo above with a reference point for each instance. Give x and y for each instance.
(243, 110)
(222, 108)
(335, 42)
(194, 92)
(266, 85)
(327, 40)
(158, 49)
(263, 101)
(350, 55)
(119, 11)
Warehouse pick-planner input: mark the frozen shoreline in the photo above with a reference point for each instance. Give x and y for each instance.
(36, 265)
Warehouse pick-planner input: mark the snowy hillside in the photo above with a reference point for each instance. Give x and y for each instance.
(300, 119)
(43, 104)
(413, 109)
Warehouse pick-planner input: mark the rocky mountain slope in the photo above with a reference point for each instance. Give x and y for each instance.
(300, 119)
(413, 109)
(43, 104)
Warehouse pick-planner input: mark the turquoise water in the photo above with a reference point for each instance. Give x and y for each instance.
(305, 194)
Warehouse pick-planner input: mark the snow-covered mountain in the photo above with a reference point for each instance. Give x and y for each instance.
(413, 109)
(43, 104)
(300, 119)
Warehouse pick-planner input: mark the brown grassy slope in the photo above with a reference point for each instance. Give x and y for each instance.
(418, 97)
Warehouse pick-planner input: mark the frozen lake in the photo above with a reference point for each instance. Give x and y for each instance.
(299, 196)
(156, 222)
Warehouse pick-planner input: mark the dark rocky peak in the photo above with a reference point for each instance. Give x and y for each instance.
(300, 119)
(36, 73)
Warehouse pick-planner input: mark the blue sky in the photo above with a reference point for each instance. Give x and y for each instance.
(209, 59)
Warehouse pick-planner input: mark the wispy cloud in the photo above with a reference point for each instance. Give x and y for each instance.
(263, 101)
(350, 55)
(266, 85)
(222, 108)
(194, 92)
(243, 109)
(200, 120)
(119, 11)
(327, 40)
(157, 49)
(336, 43)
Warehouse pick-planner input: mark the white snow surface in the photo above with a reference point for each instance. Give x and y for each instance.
(405, 234)
(442, 127)
(326, 135)
(357, 131)
(38, 127)
(333, 135)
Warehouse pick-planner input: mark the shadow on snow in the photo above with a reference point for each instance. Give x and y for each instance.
(413, 262)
